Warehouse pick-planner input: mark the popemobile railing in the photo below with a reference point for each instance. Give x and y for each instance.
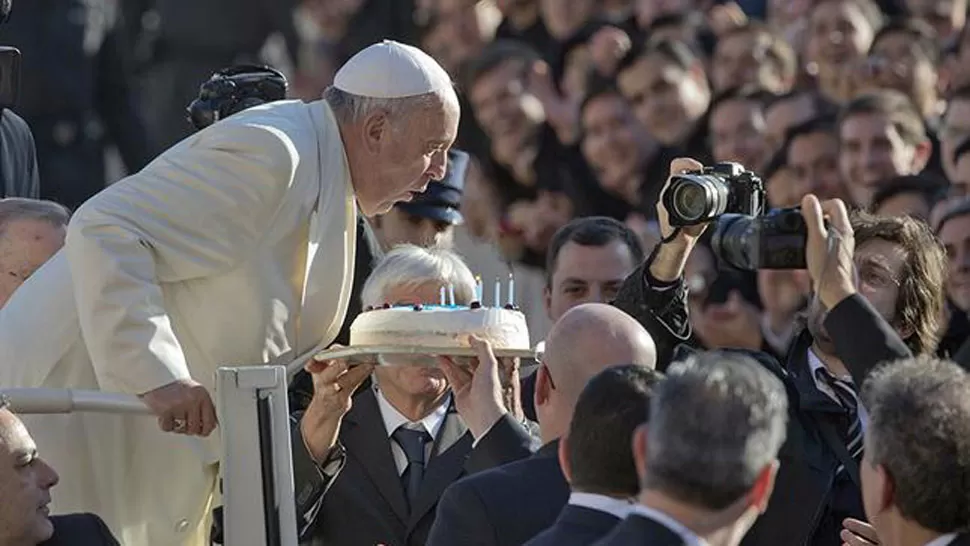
(257, 464)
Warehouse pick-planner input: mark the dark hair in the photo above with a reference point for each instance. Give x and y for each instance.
(597, 86)
(695, 21)
(902, 114)
(746, 93)
(870, 11)
(595, 231)
(495, 55)
(820, 104)
(819, 124)
(930, 188)
(919, 432)
(673, 51)
(608, 411)
(919, 305)
(922, 34)
(955, 210)
(779, 53)
(961, 149)
(716, 421)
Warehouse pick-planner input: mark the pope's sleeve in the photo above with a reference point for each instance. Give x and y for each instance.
(194, 212)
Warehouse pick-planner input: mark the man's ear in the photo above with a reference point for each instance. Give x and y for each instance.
(543, 386)
(763, 486)
(639, 448)
(375, 130)
(547, 301)
(885, 488)
(924, 150)
(564, 463)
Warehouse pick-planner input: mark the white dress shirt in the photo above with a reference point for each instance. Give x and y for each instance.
(394, 419)
(617, 507)
(685, 534)
(815, 364)
(942, 540)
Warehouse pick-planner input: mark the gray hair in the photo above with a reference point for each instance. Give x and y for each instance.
(919, 431)
(350, 108)
(21, 208)
(411, 266)
(716, 422)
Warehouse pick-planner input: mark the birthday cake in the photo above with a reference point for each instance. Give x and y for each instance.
(440, 326)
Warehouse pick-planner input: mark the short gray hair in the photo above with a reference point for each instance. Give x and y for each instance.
(21, 208)
(919, 431)
(716, 422)
(350, 108)
(412, 266)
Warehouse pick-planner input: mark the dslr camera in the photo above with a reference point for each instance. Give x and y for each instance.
(747, 235)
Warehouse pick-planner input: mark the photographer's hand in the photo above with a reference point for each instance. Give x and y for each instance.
(671, 258)
(830, 249)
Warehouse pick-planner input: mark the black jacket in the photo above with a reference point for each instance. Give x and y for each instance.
(80, 530)
(636, 529)
(18, 158)
(576, 526)
(504, 506)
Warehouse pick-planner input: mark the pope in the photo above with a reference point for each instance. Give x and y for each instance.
(234, 247)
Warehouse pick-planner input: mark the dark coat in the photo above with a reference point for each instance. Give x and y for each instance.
(576, 526)
(80, 530)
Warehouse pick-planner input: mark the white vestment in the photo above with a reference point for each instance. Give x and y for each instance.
(233, 248)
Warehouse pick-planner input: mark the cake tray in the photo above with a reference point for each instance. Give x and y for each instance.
(369, 353)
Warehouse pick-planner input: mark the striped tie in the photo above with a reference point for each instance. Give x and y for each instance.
(845, 392)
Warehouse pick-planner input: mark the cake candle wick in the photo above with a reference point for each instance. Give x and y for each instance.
(442, 296)
(451, 294)
(497, 302)
(511, 289)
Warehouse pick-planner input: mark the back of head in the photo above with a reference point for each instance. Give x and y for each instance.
(607, 413)
(590, 338)
(919, 433)
(412, 266)
(716, 422)
(22, 208)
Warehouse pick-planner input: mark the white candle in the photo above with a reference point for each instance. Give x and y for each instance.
(451, 294)
(442, 295)
(478, 289)
(498, 293)
(511, 289)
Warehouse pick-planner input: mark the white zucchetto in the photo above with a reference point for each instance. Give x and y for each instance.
(391, 70)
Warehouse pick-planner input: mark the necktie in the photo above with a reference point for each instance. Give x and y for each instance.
(845, 392)
(412, 442)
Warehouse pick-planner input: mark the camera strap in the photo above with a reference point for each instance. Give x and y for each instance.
(673, 235)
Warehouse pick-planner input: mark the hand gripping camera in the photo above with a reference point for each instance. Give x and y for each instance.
(746, 235)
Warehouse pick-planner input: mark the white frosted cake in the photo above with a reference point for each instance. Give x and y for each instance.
(439, 326)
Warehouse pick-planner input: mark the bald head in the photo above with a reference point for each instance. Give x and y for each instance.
(590, 338)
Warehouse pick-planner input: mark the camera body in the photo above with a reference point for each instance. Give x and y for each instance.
(775, 240)
(233, 90)
(702, 196)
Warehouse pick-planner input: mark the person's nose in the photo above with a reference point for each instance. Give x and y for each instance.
(439, 165)
(48, 476)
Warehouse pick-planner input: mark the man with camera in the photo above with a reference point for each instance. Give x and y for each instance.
(877, 282)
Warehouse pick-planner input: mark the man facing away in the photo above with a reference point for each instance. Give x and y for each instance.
(488, 508)
(234, 247)
(707, 457)
(31, 231)
(595, 456)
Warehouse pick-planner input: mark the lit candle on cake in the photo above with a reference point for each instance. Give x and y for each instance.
(511, 289)
(442, 295)
(451, 294)
(497, 302)
(478, 289)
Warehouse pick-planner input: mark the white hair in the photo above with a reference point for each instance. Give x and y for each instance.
(21, 208)
(350, 108)
(410, 266)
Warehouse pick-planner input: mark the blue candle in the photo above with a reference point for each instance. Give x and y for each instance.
(442, 295)
(451, 294)
(497, 302)
(511, 289)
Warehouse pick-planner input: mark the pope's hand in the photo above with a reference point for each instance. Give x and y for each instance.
(479, 392)
(183, 407)
(334, 384)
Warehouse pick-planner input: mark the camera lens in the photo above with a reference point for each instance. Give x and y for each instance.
(735, 241)
(690, 201)
(696, 198)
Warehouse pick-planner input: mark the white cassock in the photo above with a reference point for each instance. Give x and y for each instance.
(233, 248)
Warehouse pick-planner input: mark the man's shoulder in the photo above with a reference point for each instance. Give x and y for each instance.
(768, 361)
(509, 476)
(13, 122)
(82, 528)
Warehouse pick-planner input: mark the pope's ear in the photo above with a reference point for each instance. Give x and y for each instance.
(375, 130)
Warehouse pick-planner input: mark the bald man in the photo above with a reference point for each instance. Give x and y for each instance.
(508, 505)
(31, 231)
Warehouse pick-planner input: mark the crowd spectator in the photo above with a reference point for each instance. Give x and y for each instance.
(31, 231)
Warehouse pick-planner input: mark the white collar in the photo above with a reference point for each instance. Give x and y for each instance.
(815, 364)
(617, 507)
(393, 419)
(942, 540)
(685, 534)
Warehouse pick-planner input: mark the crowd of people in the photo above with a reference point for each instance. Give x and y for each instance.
(674, 399)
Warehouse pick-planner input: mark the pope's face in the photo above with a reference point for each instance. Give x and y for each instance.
(406, 154)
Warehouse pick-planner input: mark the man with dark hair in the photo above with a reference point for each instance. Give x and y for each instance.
(954, 128)
(917, 459)
(753, 55)
(881, 135)
(913, 195)
(667, 85)
(792, 109)
(708, 455)
(905, 56)
(737, 127)
(960, 181)
(947, 17)
(812, 150)
(595, 456)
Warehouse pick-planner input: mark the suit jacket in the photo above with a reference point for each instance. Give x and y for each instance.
(636, 529)
(576, 526)
(198, 261)
(80, 530)
(365, 502)
(962, 540)
(504, 506)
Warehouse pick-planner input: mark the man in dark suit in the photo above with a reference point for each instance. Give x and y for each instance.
(708, 454)
(510, 504)
(917, 462)
(370, 467)
(878, 297)
(595, 456)
(25, 484)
